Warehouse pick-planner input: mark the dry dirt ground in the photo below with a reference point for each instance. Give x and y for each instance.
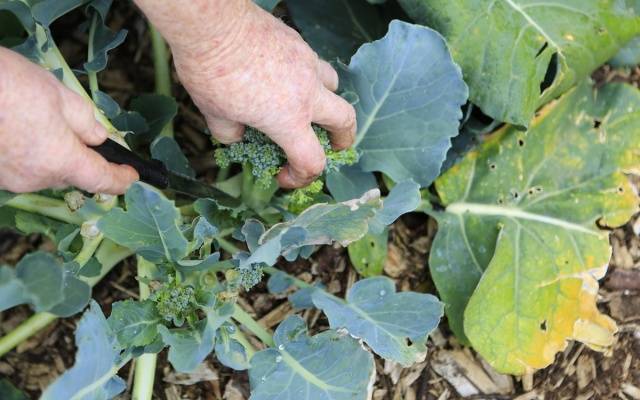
(449, 372)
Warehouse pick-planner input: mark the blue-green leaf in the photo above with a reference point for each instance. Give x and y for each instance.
(403, 198)
(10, 392)
(190, 346)
(149, 226)
(229, 351)
(135, 323)
(410, 92)
(336, 28)
(98, 360)
(387, 321)
(167, 150)
(268, 5)
(104, 40)
(319, 224)
(328, 366)
(350, 182)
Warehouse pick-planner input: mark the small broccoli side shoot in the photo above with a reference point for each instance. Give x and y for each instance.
(175, 303)
(266, 158)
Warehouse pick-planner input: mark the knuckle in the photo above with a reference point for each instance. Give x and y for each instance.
(314, 166)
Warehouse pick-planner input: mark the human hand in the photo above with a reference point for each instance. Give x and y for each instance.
(254, 70)
(45, 131)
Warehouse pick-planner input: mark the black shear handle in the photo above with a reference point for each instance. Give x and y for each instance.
(152, 172)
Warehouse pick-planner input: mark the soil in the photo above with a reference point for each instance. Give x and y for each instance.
(450, 370)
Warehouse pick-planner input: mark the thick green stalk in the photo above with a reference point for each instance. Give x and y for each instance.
(53, 208)
(93, 76)
(145, 365)
(162, 70)
(252, 325)
(108, 254)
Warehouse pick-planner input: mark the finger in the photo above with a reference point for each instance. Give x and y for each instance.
(328, 75)
(89, 171)
(79, 114)
(224, 130)
(305, 157)
(337, 116)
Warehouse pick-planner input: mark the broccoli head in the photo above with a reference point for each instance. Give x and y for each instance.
(266, 158)
(174, 302)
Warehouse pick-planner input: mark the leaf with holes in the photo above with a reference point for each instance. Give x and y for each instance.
(327, 366)
(518, 249)
(510, 49)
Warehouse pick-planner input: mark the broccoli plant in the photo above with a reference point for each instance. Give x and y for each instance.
(519, 247)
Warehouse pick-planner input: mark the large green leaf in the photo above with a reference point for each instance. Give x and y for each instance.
(336, 28)
(328, 366)
(94, 374)
(409, 97)
(394, 325)
(507, 47)
(149, 226)
(522, 212)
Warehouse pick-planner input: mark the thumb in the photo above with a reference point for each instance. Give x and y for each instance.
(89, 171)
(79, 115)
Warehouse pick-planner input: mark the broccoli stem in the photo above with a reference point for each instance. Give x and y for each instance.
(254, 195)
(253, 326)
(108, 254)
(93, 76)
(145, 365)
(46, 206)
(298, 282)
(162, 71)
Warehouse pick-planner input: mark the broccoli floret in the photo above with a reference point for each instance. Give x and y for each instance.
(302, 198)
(175, 303)
(267, 158)
(256, 149)
(250, 275)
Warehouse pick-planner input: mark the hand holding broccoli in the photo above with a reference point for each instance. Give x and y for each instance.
(242, 66)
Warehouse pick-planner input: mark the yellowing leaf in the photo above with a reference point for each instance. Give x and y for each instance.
(519, 250)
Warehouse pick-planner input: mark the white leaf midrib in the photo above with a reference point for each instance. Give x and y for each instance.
(462, 208)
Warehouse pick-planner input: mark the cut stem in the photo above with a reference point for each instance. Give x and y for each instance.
(53, 208)
(253, 326)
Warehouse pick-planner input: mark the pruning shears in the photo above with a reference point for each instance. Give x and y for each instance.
(156, 174)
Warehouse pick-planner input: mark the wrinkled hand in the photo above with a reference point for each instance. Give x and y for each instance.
(45, 129)
(261, 73)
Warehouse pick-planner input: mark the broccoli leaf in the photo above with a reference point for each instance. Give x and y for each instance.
(509, 50)
(522, 212)
(229, 351)
(149, 226)
(268, 5)
(135, 323)
(350, 182)
(327, 366)
(410, 92)
(167, 150)
(403, 198)
(319, 224)
(98, 360)
(40, 280)
(387, 321)
(336, 28)
(104, 40)
(369, 254)
(190, 346)
(10, 392)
